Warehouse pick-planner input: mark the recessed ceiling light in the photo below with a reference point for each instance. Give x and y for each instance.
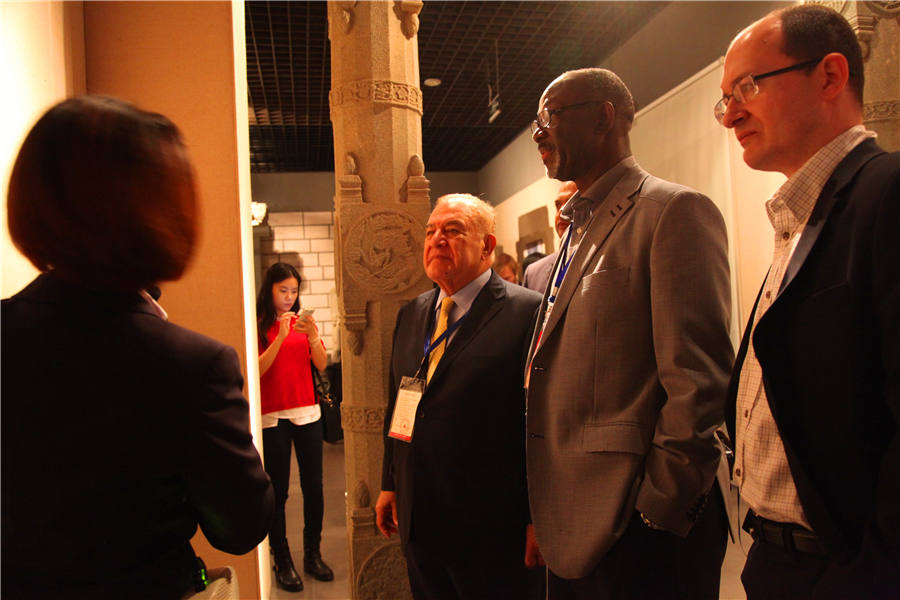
(432, 82)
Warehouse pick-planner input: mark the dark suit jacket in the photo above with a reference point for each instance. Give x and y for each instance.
(460, 483)
(829, 347)
(121, 433)
(538, 273)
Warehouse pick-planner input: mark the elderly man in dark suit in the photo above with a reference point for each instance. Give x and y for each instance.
(453, 478)
(815, 397)
(629, 364)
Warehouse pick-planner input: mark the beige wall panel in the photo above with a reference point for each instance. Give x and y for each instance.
(41, 62)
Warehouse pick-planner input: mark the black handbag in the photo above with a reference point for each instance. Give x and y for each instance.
(322, 387)
(332, 430)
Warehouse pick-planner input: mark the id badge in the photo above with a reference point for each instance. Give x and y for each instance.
(405, 408)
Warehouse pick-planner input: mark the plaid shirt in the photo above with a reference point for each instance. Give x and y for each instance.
(761, 468)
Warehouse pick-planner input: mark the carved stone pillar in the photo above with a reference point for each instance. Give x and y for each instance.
(382, 205)
(877, 26)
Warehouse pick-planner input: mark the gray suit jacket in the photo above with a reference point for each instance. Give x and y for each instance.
(628, 382)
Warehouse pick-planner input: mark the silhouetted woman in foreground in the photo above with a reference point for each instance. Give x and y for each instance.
(121, 431)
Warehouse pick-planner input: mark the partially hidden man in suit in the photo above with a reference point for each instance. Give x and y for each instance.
(537, 274)
(814, 400)
(629, 364)
(453, 478)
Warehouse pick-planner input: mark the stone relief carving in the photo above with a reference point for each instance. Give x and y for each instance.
(885, 10)
(837, 5)
(362, 419)
(350, 192)
(377, 578)
(381, 251)
(379, 91)
(361, 497)
(345, 12)
(408, 13)
(881, 111)
(416, 188)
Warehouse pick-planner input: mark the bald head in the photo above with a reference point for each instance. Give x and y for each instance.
(586, 115)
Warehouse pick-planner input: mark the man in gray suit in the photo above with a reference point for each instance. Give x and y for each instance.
(537, 274)
(628, 365)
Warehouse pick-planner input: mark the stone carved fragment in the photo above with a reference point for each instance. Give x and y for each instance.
(361, 497)
(416, 188)
(881, 111)
(408, 13)
(345, 10)
(377, 577)
(886, 10)
(378, 91)
(381, 251)
(362, 419)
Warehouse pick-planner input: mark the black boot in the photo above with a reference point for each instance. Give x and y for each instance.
(312, 560)
(285, 574)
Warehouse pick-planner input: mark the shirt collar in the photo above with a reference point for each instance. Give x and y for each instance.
(154, 305)
(464, 297)
(598, 190)
(799, 193)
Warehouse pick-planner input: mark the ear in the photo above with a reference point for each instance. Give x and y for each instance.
(490, 242)
(606, 116)
(837, 73)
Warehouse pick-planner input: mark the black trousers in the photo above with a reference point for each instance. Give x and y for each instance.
(647, 564)
(473, 575)
(307, 442)
(775, 573)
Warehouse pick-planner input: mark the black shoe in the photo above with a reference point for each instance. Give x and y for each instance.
(285, 574)
(312, 564)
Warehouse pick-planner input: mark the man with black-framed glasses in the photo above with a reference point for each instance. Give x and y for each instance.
(628, 365)
(814, 402)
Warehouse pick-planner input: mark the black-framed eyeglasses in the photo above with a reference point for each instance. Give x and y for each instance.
(546, 115)
(746, 89)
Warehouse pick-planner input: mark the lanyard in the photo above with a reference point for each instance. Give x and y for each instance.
(563, 266)
(429, 345)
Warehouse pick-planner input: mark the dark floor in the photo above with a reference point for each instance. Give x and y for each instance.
(336, 554)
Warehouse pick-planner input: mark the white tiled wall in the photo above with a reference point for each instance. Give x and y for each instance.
(306, 240)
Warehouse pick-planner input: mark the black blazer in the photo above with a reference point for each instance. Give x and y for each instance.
(829, 347)
(460, 483)
(121, 433)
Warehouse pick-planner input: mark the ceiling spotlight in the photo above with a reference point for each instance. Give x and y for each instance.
(432, 82)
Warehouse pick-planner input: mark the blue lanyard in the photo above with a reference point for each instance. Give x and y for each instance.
(563, 266)
(430, 346)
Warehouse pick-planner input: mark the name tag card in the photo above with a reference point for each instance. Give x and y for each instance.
(405, 408)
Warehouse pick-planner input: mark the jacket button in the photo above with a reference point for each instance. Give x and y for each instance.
(737, 472)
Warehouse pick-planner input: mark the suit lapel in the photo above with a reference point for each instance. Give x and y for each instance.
(604, 219)
(825, 203)
(487, 304)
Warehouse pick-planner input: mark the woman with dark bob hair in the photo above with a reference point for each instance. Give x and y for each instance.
(121, 432)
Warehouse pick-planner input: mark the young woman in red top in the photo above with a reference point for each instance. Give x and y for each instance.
(290, 415)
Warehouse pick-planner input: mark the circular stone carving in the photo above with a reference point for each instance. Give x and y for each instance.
(382, 575)
(889, 10)
(384, 251)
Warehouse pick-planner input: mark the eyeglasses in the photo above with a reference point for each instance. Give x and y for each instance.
(544, 117)
(746, 89)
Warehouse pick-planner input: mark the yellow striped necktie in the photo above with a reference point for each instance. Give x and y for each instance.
(437, 353)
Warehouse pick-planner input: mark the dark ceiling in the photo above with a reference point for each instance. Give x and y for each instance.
(288, 66)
